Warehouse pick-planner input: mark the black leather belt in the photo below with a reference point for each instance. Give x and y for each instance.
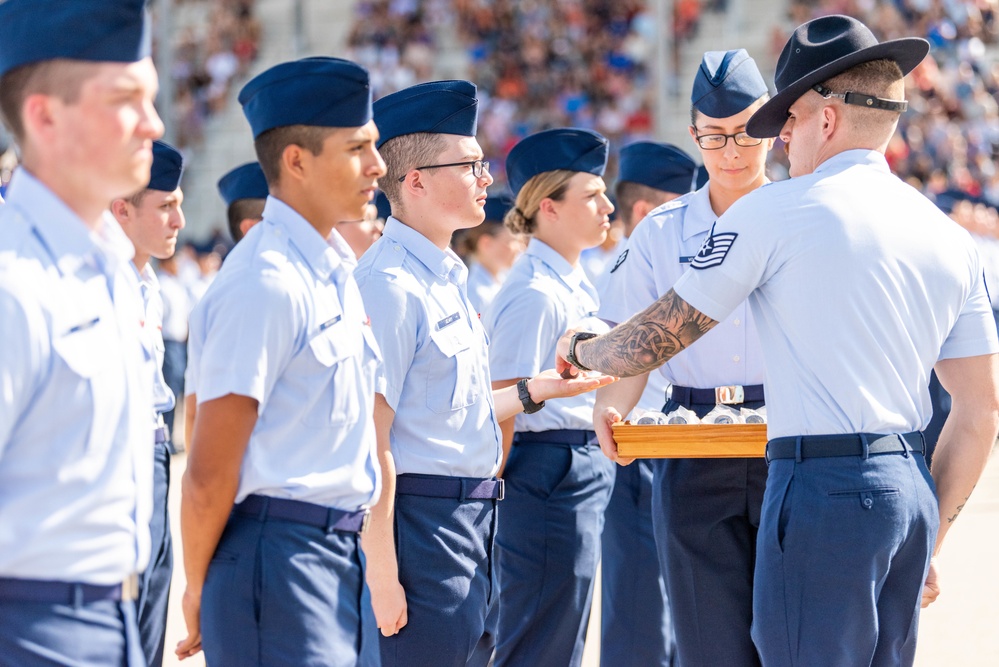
(563, 436)
(728, 395)
(328, 518)
(443, 486)
(852, 444)
(64, 592)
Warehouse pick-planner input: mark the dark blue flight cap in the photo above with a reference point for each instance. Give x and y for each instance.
(562, 148)
(702, 177)
(168, 166)
(319, 92)
(726, 83)
(437, 107)
(497, 205)
(383, 205)
(33, 31)
(661, 166)
(244, 182)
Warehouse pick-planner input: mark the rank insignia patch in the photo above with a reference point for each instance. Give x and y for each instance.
(620, 260)
(714, 250)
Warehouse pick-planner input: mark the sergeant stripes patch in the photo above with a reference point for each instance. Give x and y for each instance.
(714, 250)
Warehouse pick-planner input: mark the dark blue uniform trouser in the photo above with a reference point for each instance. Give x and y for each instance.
(94, 633)
(174, 365)
(280, 593)
(706, 515)
(636, 628)
(154, 584)
(446, 567)
(548, 544)
(844, 546)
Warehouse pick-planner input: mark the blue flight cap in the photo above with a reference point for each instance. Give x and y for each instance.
(497, 205)
(244, 182)
(568, 148)
(168, 166)
(319, 92)
(661, 166)
(726, 83)
(383, 205)
(437, 107)
(33, 31)
(702, 177)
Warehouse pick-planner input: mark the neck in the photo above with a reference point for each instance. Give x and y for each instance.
(317, 217)
(722, 198)
(490, 265)
(78, 197)
(430, 227)
(563, 245)
(140, 260)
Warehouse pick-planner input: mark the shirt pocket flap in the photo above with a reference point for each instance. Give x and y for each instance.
(334, 344)
(451, 342)
(83, 348)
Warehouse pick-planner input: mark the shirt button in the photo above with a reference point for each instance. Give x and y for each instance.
(737, 322)
(396, 248)
(736, 358)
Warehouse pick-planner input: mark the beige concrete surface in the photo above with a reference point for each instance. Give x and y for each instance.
(960, 629)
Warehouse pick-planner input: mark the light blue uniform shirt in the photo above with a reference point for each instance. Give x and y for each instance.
(283, 323)
(482, 287)
(152, 340)
(858, 284)
(542, 297)
(76, 449)
(659, 251)
(436, 356)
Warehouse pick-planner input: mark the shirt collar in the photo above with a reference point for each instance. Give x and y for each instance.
(442, 263)
(861, 156)
(322, 256)
(699, 216)
(64, 234)
(573, 276)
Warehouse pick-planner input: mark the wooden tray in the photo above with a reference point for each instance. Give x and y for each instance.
(691, 441)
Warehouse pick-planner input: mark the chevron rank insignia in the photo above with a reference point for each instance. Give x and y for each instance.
(620, 260)
(714, 250)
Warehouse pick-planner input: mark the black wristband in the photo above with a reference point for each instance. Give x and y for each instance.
(571, 354)
(530, 407)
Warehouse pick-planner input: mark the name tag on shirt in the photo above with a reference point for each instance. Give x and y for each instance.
(687, 260)
(328, 323)
(447, 321)
(83, 326)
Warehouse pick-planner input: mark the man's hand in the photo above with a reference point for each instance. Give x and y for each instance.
(603, 426)
(388, 599)
(563, 367)
(190, 645)
(550, 384)
(931, 589)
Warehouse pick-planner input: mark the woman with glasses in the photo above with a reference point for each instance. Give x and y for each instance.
(558, 483)
(706, 511)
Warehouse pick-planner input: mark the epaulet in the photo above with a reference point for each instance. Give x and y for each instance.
(384, 256)
(676, 204)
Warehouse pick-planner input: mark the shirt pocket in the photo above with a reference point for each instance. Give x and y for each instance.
(86, 360)
(452, 377)
(335, 356)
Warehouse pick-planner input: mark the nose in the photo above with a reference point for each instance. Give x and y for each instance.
(150, 123)
(785, 132)
(608, 204)
(179, 221)
(486, 176)
(378, 164)
(731, 149)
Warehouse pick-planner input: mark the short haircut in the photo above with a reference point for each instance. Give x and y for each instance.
(628, 193)
(240, 210)
(880, 78)
(521, 219)
(59, 77)
(406, 152)
(270, 146)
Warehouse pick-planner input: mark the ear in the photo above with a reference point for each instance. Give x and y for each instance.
(548, 209)
(639, 210)
(693, 134)
(294, 161)
(414, 184)
(246, 223)
(831, 119)
(38, 115)
(121, 211)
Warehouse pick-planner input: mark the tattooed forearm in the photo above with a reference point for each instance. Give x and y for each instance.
(647, 340)
(960, 507)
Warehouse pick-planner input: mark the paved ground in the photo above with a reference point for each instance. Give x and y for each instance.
(959, 629)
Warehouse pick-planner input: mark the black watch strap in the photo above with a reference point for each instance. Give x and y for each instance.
(530, 407)
(571, 354)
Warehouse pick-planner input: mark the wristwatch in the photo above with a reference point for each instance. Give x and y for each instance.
(570, 356)
(530, 407)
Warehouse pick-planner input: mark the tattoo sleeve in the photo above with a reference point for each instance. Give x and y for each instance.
(647, 340)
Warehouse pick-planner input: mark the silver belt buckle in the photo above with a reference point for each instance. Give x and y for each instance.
(365, 521)
(130, 588)
(502, 489)
(731, 395)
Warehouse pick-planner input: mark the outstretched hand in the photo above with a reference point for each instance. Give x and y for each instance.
(563, 367)
(550, 384)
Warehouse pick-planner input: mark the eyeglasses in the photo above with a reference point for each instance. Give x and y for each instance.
(712, 142)
(479, 167)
